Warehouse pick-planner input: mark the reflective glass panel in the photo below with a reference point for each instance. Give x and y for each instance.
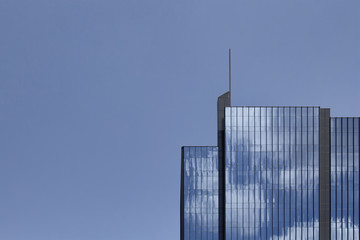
(344, 178)
(276, 157)
(200, 193)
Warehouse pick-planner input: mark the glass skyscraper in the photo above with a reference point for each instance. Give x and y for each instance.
(276, 173)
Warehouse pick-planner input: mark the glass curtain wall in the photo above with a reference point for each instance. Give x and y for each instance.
(344, 178)
(272, 172)
(200, 181)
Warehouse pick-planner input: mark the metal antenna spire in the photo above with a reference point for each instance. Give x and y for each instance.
(230, 75)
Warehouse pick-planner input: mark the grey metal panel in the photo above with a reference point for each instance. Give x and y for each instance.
(182, 196)
(324, 174)
(222, 102)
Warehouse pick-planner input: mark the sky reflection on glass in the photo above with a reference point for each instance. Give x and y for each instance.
(345, 178)
(272, 177)
(201, 215)
(271, 172)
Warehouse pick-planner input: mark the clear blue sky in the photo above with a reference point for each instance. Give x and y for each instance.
(97, 97)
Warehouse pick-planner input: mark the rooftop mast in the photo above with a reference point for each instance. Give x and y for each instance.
(230, 75)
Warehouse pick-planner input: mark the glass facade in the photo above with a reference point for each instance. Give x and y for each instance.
(200, 189)
(344, 178)
(277, 173)
(272, 172)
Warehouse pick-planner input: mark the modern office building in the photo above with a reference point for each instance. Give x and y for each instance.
(276, 173)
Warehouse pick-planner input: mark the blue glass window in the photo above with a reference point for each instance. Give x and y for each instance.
(200, 190)
(276, 156)
(344, 178)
